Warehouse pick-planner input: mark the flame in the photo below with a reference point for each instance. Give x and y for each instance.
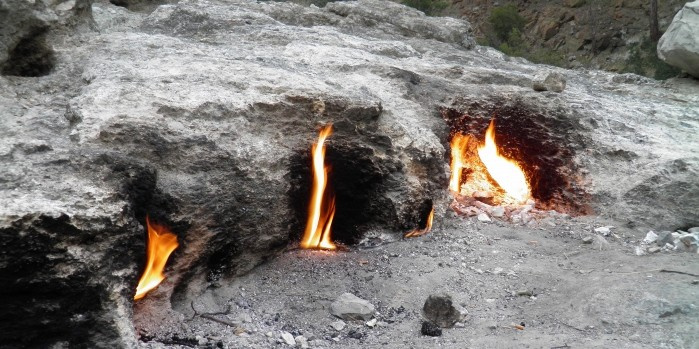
(161, 243)
(507, 173)
(320, 213)
(419, 232)
(458, 145)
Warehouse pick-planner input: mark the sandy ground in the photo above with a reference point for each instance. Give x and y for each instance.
(598, 295)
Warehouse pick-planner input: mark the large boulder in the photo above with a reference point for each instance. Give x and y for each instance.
(201, 115)
(679, 46)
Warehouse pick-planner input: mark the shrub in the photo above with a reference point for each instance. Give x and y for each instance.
(643, 60)
(429, 7)
(504, 19)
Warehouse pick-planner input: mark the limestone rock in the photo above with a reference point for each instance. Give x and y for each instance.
(351, 307)
(549, 81)
(679, 45)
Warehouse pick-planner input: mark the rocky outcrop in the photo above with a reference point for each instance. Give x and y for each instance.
(585, 32)
(23, 47)
(201, 115)
(679, 46)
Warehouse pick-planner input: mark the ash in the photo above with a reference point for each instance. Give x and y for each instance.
(573, 281)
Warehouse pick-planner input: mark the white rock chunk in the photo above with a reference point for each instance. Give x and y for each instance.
(679, 46)
(351, 307)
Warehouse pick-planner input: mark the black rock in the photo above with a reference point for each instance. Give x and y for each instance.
(356, 334)
(440, 310)
(430, 329)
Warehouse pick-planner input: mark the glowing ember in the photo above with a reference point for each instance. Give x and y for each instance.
(506, 173)
(322, 207)
(458, 145)
(161, 243)
(423, 231)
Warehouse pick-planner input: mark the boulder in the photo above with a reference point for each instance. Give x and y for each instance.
(679, 46)
(549, 81)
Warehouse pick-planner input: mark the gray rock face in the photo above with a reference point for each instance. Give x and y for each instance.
(679, 45)
(201, 115)
(25, 26)
(351, 307)
(440, 310)
(549, 81)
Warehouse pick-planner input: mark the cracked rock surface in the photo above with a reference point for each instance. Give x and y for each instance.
(201, 114)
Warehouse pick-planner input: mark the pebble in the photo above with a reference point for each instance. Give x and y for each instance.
(588, 240)
(654, 249)
(430, 329)
(351, 307)
(483, 217)
(604, 230)
(302, 342)
(338, 325)
(690, 242)
(650, 238)
(664, 237)
(371, 323)
(498, 212)
(440, 310)
(288, 338)
(526, 293)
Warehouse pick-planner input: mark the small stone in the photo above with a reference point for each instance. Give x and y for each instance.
(639, 251)
(483, 217)
(664, 237)
(690, 242)
(302, 342)
(338, 325)
(371, 323)
(604, 230)
(525, 293)
(549, 81)
(483, 196)
(498, 212)
(355, 334)
(351, 307)
(459, 325)
(269, 334)
(654, 249)
(288, 338)
(440, 310)
(498, 271)
(588, 240)
(650, 238)
(430, 329)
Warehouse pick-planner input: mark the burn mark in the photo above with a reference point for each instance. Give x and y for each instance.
(540, 143)
(31, 57)
(358, 179)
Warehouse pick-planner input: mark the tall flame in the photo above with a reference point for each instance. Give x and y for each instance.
(419, 232)
(161, 243)
(458, 145)
(320, 212)
(507, 173)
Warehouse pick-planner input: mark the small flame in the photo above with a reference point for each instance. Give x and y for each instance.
(507, 173)
(320, 212)
(423, 231)
(458, 145)
(161, 243)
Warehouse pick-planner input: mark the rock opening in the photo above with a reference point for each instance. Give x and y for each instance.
(31, 57)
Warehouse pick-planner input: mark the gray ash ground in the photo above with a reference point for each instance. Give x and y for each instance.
(583, 295)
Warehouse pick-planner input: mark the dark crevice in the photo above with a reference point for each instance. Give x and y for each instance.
(539, 143)
(31, 57)
(357, 179)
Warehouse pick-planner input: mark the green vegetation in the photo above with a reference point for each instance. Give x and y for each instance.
(429, 7)
(505, 19)
(643, 60)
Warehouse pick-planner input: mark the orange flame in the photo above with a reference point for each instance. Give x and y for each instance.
(458, 145)
(320, 213)
(161, 243)
(419, 232)
(506, 173)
